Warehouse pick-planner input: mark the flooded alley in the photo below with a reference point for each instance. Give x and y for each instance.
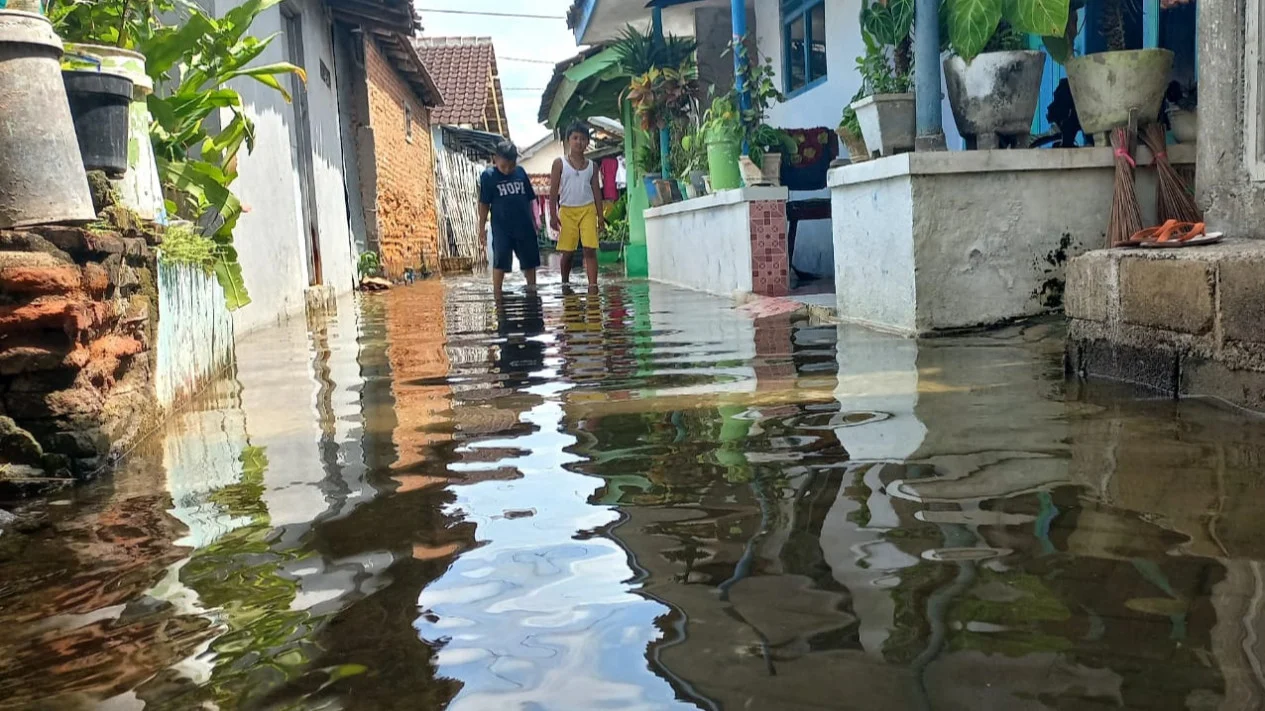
(644, 498)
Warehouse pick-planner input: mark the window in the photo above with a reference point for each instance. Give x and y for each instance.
(803, 43)
(408, 123)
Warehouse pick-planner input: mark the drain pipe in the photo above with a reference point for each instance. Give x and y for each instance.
(927, 97)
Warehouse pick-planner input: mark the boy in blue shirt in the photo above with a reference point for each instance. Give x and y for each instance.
(505, 192)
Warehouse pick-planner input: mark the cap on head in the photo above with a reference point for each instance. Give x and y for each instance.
(507, 150)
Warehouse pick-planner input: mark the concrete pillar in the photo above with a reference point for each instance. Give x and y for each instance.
(927, 75)
(713, 29)
(665, 138)
(738, 17)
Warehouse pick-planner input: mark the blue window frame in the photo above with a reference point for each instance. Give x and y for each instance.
(803, 44)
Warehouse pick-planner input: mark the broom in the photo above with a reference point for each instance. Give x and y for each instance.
(1173, 196)
(1126, 213)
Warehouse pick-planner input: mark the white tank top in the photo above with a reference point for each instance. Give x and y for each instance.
(577, 185)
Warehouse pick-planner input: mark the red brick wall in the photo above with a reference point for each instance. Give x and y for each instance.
(407, 222)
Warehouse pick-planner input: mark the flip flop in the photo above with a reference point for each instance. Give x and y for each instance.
(1150, 234)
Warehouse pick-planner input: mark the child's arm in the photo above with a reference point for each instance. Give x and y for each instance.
(483, 219)
(555, 190)
(597, 198)
(485, 205)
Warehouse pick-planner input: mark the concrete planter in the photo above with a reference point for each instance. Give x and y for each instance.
(41, 171)
(888, 122)
(996, 93)
(1108, 86)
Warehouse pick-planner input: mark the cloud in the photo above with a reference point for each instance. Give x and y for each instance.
(514, 37)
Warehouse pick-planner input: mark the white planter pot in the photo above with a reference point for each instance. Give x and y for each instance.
(888, 122)
(1108, 86)
(772, 169)
(996, 93)
(1185, 125)
(752, 174)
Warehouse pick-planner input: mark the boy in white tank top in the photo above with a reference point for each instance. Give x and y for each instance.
(576, 203)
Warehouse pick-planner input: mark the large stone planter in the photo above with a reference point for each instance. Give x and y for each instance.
(41, 172)
(1108, 86)
(994, 94)
(888, 123)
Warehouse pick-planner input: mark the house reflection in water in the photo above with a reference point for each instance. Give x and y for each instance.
(948, 531)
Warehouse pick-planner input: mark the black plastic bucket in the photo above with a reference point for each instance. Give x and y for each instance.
(99, 105)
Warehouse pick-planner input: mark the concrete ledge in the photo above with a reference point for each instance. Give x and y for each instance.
(1183, 322)
(719, 199)
(952, 162)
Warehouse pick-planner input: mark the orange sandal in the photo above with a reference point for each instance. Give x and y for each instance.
(1171, 231)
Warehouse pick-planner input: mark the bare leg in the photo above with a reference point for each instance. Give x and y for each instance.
(498, 279)
(567, 258)
(530, 275)
(590, 265)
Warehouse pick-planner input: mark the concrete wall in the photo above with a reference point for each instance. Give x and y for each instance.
(270, 239)
(707, 243)
(1184, 322)
(935, 241)
(407, 220)
(1231, 170)
(195, 333)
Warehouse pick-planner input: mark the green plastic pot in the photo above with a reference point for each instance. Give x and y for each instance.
(722, 163)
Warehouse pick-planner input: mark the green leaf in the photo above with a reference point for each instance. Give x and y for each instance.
(971, 24)
(1038, 17)
(229, 273)
(1059, 48)
(267, 75)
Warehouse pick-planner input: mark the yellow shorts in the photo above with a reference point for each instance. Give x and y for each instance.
(579, 226)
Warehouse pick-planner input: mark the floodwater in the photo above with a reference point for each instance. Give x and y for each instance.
(646, 499)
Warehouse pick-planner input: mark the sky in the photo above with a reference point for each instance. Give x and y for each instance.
(522, 38)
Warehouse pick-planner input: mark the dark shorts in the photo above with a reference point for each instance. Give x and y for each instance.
(517, 244)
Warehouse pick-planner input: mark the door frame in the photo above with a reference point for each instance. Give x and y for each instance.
(292, 21)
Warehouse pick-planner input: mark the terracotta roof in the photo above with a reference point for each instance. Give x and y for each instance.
(461, 67)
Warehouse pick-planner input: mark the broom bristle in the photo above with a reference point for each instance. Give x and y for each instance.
(1174, 200)
(1126, 213)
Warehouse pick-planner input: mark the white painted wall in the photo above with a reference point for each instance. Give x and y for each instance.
(541, 162)
(874, 253)
(269, 239)
(195, 332)
(701, 244)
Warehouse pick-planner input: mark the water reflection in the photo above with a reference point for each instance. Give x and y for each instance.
(639, 498)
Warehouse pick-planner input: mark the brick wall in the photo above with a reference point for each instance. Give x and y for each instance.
(407, 222)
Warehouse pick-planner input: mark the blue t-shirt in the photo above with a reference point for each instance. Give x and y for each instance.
(510, 197)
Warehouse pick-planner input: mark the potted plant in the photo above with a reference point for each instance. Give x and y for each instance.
(766, 144)
(766, 147)
(850, 132)
(886, 113)
(994, 89)
(722, 133)
(650, 164)
(102, 39)
(1110, 86)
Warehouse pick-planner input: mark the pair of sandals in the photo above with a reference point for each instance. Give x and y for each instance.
(1173, 234)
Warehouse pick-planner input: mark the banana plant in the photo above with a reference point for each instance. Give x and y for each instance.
(972, 23)
(205, 54)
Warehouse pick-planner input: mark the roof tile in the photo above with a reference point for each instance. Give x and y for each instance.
(460, 67)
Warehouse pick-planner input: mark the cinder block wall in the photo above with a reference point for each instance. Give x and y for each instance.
(407, 220)
(1184, 322)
